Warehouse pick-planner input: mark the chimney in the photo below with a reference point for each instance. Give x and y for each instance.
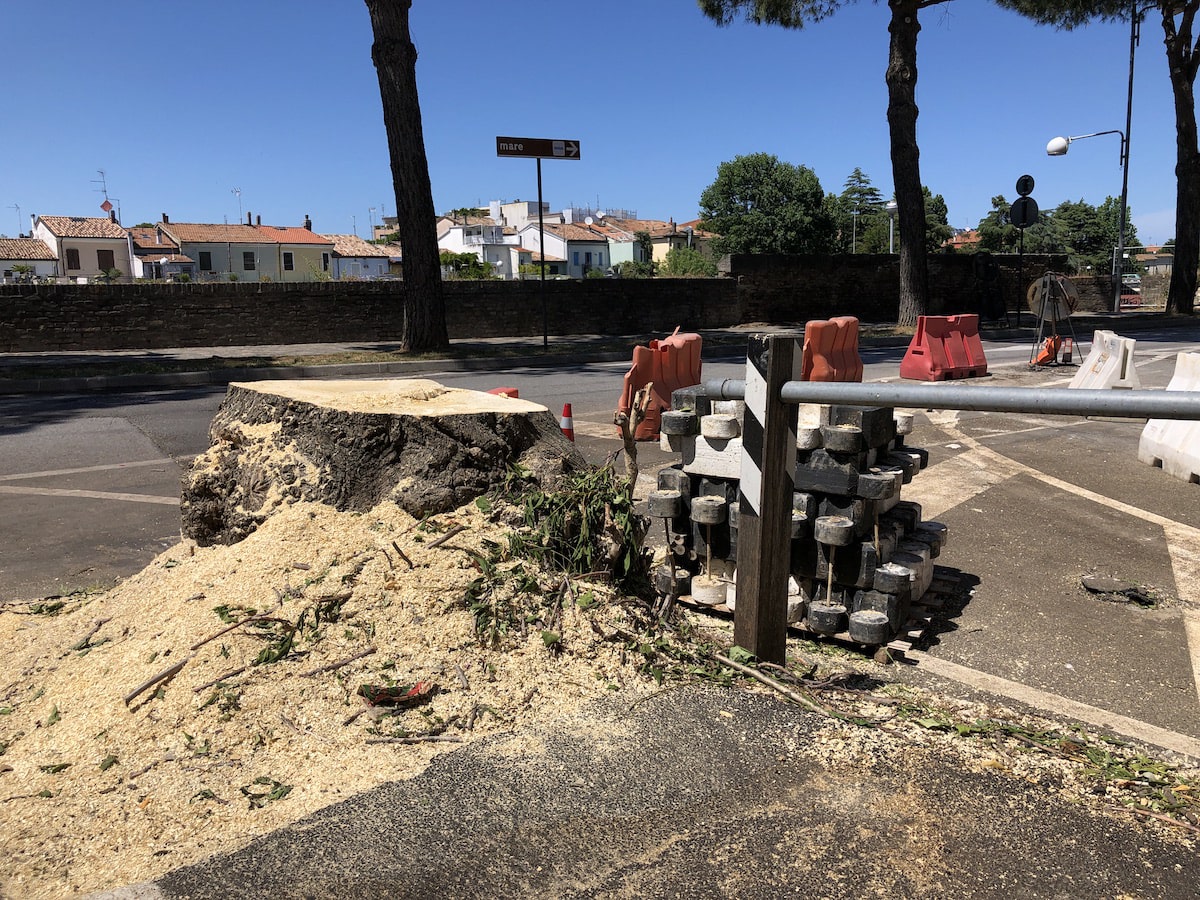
(307, 223)
(112, 216)
(166, 221)
(671, 222)
(249, 218)
(258, 221)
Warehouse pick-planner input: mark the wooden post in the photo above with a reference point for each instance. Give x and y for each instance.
(768, 478)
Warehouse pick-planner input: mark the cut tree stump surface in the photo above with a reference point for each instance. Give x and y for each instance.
(351, 444)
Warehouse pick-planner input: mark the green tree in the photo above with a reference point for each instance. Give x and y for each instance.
(1182, 42)
(937, 220)
(687, 262)
(465, 266)
(761, 205)
(859, 206)
(901, 78)
(423, 326)
(645, 246)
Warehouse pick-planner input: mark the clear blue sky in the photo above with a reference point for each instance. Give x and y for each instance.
(179, 103)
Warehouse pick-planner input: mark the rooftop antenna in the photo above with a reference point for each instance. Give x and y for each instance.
(371, 213)
(107, 205)
(354, 224)
(17, 207)
(238, 191)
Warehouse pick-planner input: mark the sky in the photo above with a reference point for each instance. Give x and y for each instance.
(206, 111)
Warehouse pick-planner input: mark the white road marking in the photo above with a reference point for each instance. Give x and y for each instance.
(1063, 706)
(89, 495)
(1183, 541)
(82, 469)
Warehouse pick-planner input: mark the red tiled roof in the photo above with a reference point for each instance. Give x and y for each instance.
(151, 240)
(572, 232)
(353, 245)
(195, 233)
(81, 227)
(24, 248)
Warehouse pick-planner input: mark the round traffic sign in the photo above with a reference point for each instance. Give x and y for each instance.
(1025, 185)
(1024, 212)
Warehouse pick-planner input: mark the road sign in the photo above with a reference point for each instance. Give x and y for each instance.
(539, 148)
(1025, 185)
(1024, 212)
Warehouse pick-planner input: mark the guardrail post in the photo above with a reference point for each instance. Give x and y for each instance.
(768, 477)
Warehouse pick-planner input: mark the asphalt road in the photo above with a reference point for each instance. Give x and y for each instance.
(655, 805)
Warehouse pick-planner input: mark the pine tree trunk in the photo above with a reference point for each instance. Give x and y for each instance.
(1181, 59)
(395, 58)
(906, 171)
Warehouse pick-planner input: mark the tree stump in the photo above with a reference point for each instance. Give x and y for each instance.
(351, 444)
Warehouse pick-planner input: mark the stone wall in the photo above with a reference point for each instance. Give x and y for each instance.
(766, 289)
(782, 289)
(147, 316)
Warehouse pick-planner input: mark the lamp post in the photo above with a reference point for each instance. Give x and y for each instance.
(853, 230)
(892, 206)
(1058, 147)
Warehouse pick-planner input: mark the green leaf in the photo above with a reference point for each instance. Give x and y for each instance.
(107, 763)
(740, 655)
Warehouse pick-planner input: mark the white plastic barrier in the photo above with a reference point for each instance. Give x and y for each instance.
(1108, 365)
(1172, 444)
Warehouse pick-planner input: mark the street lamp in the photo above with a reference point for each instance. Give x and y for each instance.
(891, 211)
(1058, 147)
(853, 230)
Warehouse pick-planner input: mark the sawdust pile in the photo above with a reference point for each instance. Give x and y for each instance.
(100, 788)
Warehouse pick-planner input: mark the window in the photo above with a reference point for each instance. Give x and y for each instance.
(324, 262)
(205, 261)
(72, 258)
(575, 257)
(289, 261)
(104, 260)
(247, 262)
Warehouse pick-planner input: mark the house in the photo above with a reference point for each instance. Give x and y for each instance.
(967, 239)
(582, 247)
(481, 235)
(155, 255)
(253, 252)
(84, 247)
(26, 259)
(357, 259)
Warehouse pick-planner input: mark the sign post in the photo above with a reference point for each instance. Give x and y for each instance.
(1024, 212)
(539, 148)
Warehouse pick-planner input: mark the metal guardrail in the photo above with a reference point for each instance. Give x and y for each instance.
(1139, 404)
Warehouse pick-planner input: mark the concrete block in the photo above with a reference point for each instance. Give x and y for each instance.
(691, 399)
(820, 470)
(714, 458)
(813, 415)
(877, 423)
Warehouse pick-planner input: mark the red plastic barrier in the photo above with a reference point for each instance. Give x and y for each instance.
(506, 392)
(831, 350)
(944, 348)
(666, 365)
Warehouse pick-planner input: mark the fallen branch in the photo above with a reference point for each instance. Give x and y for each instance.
(457, 529)
(1162, 818)
(416, 739)
(83, 642)
(219, 679)
(773, 684)
(259, 617)
(161, 676)
(462, 677)
(403, 555)
(337, 665)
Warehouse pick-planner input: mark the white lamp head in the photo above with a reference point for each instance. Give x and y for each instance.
(1058, 146)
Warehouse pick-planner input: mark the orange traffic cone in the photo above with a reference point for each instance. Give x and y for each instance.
(566, 423)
